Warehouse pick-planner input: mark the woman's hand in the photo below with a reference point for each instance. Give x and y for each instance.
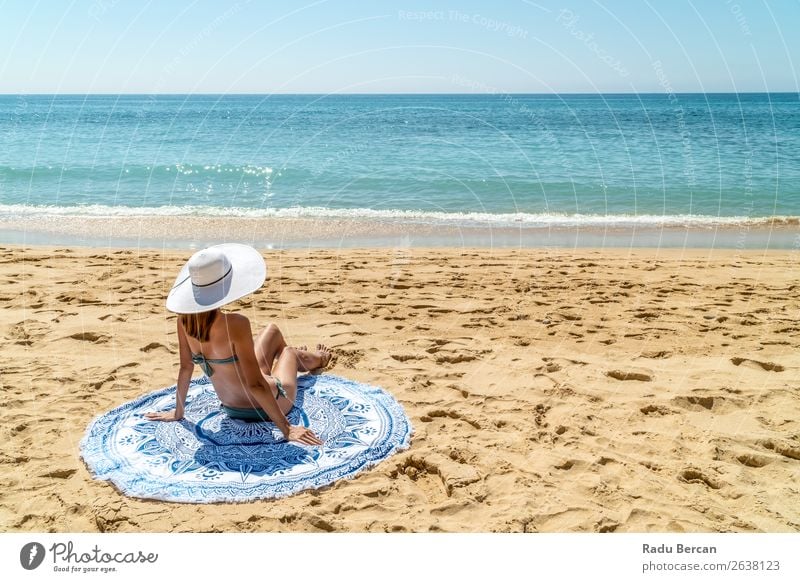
(301, 434)
(167, 416)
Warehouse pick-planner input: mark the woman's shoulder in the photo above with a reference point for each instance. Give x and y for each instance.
(236, 321)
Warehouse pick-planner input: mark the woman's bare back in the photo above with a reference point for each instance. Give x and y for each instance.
(228, 379)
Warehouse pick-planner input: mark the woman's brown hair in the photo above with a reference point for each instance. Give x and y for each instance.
(198, 325)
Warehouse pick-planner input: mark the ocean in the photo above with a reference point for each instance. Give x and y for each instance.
(521, 162)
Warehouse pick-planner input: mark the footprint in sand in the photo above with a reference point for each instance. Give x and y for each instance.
(646, 315)
(436, 345)
(154, 346)
(455, 358)
(656, 355)
(606, 525)
(656, 410)
(352, 311)
(788, 451)
(451, 474)
(91, 336)
(347, 358)
(112, 376)
(753, 460)
(425, 476)
(768, 366)
(285, 518)
(321, 523)
(696, 476)
(706, 402)
(19, 428)
(405, 357)
(640, 376)
(60, 473)
(714, 403)
(550, 367)
(27, 331)
(563, 361)
(78, 298)
(121, 318)
(449, 414)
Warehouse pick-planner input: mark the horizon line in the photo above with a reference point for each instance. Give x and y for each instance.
(317, 94)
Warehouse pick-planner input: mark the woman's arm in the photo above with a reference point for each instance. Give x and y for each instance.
(255, 383)
(260, 387)
(184, 377)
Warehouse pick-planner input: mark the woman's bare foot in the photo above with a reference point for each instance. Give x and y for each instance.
(325, 355)
(307, 360)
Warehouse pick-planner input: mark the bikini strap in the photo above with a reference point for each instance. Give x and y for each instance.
(205, 363)
(201, 361)
(279, 386)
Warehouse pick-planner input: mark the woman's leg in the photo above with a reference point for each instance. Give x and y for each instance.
(286, 368)
(268, 345)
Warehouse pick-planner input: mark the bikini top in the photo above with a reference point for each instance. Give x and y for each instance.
(205, 363)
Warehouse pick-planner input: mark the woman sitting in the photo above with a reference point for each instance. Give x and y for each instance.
(254, 380)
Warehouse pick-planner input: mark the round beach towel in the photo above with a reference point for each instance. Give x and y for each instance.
(209, 457)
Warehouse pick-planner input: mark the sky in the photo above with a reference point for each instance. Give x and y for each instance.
(345, 46)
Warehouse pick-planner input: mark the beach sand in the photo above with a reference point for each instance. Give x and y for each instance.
(550, 390)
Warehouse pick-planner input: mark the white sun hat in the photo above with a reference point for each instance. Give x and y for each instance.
(216, 276)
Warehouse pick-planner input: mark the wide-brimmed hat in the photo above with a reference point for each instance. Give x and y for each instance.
(216, 276)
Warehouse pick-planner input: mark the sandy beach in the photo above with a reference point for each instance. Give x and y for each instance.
(583, 390)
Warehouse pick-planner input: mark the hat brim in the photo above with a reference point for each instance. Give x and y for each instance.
(248, 273)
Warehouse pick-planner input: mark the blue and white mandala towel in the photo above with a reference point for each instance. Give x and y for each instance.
(208, 457)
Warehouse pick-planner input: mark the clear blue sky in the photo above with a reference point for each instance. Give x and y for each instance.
(344, 46)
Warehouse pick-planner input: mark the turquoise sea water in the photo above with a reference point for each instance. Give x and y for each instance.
(524, 159)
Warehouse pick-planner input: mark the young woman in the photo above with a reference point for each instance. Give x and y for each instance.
(254, 380)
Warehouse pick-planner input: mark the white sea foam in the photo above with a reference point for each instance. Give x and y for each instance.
(532, 220)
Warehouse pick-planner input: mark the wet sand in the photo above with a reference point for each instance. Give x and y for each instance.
(349, 232)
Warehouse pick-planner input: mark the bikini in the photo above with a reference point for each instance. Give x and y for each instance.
(247, 414)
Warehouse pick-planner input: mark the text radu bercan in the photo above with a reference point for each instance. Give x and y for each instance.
(677, 549)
